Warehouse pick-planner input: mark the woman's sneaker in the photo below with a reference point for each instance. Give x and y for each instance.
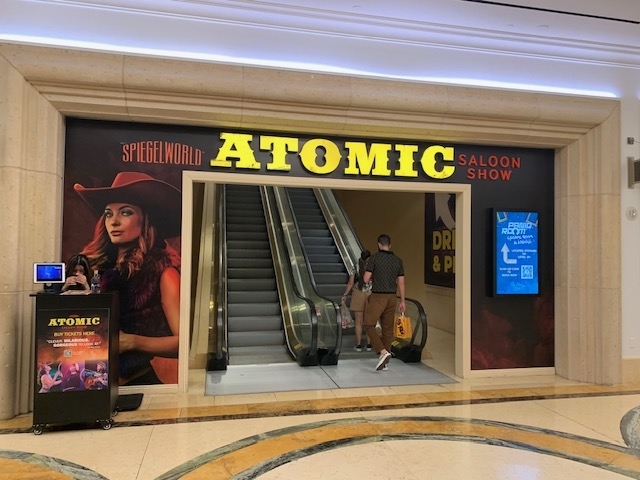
(358, 348)
(368, 347)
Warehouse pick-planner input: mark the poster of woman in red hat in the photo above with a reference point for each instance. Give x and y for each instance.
(138, 212)
(126, 217)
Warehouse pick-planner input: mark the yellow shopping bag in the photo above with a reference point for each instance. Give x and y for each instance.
(402, 327)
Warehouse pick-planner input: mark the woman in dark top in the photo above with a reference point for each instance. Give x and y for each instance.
(129, 249)
(77, 274)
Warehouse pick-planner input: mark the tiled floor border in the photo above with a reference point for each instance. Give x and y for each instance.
(174, 415)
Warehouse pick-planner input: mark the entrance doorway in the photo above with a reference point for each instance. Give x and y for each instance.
(462, 245)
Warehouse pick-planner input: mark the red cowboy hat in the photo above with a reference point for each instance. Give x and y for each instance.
(162, 201)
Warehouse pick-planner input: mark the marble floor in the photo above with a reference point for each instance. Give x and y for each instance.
(524, 428)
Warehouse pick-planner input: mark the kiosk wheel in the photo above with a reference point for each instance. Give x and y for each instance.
(38, 429)
(106, 424)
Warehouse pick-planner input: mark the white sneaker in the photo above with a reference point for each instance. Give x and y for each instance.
(383, 359)
(385, 368)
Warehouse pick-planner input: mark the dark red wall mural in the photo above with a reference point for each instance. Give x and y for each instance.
(117, 157)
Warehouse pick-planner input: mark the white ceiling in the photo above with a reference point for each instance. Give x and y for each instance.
(366, 36)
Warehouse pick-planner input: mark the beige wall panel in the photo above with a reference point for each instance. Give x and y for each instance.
(401, 216)
(115, 87)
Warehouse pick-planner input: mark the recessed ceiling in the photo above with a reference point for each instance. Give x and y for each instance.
(317, 32)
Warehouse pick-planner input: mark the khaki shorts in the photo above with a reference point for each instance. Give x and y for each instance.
(358, 300)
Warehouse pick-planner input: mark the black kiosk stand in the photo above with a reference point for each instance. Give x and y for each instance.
(76, 359)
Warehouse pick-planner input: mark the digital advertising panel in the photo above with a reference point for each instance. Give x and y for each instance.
(515, 252)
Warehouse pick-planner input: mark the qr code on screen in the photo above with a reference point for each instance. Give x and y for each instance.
(526, 272)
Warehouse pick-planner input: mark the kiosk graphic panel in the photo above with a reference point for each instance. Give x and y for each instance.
(76, 358)
(72, 350)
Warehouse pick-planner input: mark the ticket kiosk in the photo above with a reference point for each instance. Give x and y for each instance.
(76, 359)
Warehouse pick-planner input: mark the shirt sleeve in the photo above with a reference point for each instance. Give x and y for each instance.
(369, 264)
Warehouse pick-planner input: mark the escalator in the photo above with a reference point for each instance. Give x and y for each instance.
(254, 318)
(327, 266)
(260, 317)
(328, 332)
(268, 304)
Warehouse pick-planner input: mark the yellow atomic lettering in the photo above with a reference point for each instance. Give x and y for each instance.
(322, 156)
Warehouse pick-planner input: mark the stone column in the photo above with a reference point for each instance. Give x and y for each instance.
(587, 257)
(31, 159)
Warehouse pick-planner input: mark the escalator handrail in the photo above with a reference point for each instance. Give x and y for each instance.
(350, 260)
(306, 259)
(336, 308)
(267, 206)
(422, 315)
(221, 317)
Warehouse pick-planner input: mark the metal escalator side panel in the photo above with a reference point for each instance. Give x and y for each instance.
(217, 351)
(329, 337)
(299, 313)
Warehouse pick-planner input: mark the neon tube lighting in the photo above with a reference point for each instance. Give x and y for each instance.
(312, 67)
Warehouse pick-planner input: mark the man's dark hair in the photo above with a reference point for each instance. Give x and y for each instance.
(384, 240)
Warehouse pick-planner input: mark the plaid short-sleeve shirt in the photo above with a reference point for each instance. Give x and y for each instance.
(385, 268)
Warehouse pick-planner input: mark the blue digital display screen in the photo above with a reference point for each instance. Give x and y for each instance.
(48, 273)
(516, 252)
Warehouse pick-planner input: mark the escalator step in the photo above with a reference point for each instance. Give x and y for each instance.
(243, 262)
(321, 250)
(245, 227)
(315, 232)
(252, 273)
(331, 278)
(321, 241)
(248, 339)
(313, 259)
(248, 245)
(329, 268)
(234, 252)
(259, 355)
(310, 216)
(332, 291)
(269, 296)
(239, 217)
(255, 323)
(253, 309)
(259, 235)
(262, 284)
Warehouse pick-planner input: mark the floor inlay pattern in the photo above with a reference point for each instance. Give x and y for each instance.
(556, 432)
(24, 465)
(169, 416)
(254, 456)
